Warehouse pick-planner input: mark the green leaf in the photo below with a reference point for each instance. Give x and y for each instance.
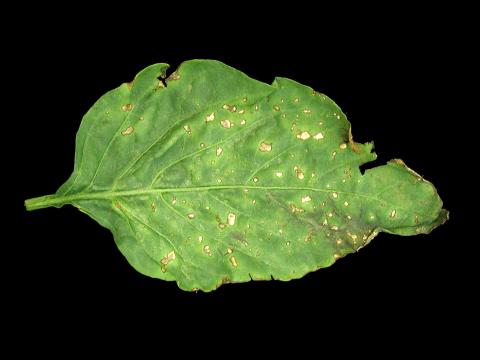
(211, 177)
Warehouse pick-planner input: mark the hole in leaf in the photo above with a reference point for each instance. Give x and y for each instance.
(162, 80)
(369, 165)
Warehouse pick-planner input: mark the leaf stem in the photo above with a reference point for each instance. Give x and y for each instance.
(44, 202)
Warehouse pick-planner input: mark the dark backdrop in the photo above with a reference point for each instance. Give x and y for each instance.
(395, 80)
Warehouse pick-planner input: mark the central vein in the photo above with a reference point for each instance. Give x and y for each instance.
(52, 200)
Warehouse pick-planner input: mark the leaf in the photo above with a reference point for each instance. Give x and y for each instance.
(211, 177)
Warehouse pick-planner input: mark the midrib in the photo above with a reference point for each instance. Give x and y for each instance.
(54, 200)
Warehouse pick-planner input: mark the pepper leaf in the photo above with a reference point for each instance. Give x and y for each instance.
(210, 177)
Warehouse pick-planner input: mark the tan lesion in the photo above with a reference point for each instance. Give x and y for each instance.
(353, 144)
(168, 258)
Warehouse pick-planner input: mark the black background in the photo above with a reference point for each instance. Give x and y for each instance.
(396, 79)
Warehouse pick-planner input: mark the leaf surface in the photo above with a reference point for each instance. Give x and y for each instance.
(211, 177)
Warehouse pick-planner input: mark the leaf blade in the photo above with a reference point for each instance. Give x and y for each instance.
(219, 178)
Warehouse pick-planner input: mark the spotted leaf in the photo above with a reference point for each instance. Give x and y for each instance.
(209, 177)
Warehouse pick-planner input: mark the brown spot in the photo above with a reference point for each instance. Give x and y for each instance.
(227, 124)
(402, 163)
(264, 147)
(231, 108)
(304, 135)
(309, 236)
(238, 236)
(117, 205)
(295, 209)
(170, 257)
(299, 173)
(129, 85)
(306, 199)
(353, 144)
(127, 107)
(318, 136)
(233, 261)
(127, 131)
(231, 219)
(210, 117)
(175, 76)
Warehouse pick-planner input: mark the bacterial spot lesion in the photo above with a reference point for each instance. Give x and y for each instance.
(265, 147)
(306, 199)
(296, 209)
(231, 218)
(128, 131)
(207, 250)
(304, 135)
(298, 172)
(168, 258)
(127, 107)
(231, 108)
(233, 261)
(318, 136)
(210, 117)
(227, 124)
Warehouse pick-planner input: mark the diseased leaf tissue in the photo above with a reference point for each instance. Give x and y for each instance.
(210, 177)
